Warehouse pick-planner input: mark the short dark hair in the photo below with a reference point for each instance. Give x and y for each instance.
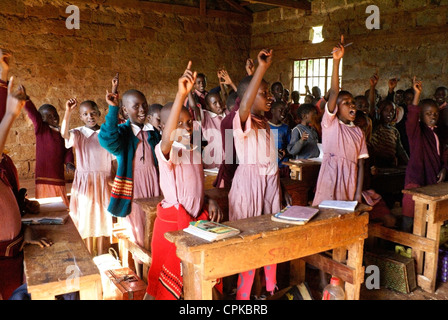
(155, 107)
(277, 104)
(305, 109)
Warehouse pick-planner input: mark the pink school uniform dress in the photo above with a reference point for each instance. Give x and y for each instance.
(92, 184)
(146, 183)
(213, 154)
(256, 184)
(255, 187)
(343, 145)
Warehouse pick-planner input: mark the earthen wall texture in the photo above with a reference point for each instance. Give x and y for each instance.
(412, 40)
(150, 50)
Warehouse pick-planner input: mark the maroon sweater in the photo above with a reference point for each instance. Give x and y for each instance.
(51, 154)
(424, 163)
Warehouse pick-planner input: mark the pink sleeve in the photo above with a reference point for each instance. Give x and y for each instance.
(238, 130)
(328, 118)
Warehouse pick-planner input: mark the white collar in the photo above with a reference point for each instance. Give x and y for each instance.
(214, 115)
(136, 129)
(87, 132)
(351, 124)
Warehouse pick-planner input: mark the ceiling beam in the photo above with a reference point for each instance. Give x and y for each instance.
(301, 4)
(238, 7)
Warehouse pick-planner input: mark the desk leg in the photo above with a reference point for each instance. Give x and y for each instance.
(419, 230)
(91, 290)
(297, 272)
(195, 288)
(431, 258)
(354, 260)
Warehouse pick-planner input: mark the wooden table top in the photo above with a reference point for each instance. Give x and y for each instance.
(261, 226)
(434, 192)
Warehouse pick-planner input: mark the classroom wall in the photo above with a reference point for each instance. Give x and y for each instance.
(149, 49)
(412, 40)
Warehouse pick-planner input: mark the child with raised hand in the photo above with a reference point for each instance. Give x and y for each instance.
(211, 119)
(91, 187)
(13, 235)
(344, 146)
(426, 165)
(51, 154)
(182, 184)
(304, 137)
(133, 144)
(196, 98)
(256, 184)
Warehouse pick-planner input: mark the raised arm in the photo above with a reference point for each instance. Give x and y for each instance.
(338, 53)
(185, 84)
(14, 105)
(70, 105)
(264, 62)
(417, 86)
(372, 106)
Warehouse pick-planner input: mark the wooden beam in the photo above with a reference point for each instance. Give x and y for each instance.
(300, 4)
(203, 8)
(148, 6)
(238, 7)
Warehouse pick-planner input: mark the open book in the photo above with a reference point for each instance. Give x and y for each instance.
(52, 211)
(295, 215)
(210, 231)
(338, 204)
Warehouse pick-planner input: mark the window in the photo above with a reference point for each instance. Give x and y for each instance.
(313, 72)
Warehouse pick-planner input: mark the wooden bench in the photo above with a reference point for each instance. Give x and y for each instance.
(431, 210)
(263, 242)
(65, 267)
(149, 206)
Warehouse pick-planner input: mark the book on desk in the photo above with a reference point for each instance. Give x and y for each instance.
(52, 211)
(210, 231)
(295, 215)
(339, 204)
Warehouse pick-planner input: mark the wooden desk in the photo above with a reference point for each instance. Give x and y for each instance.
(304, 169)
(431, 210)
(263, 242)
(303, 180)
(65, 267)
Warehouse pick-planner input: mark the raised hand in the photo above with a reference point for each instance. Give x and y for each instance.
(4, 64)
(339, 50)
(71, 104)
(250, 67)
(417, 86)
(392, 83)
(265, 57)
(115, 83)
(187, 80)
(16, 99)
(112, 98)
(374, 80)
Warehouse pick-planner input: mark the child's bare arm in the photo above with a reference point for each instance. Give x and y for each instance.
(360, 181)
(264, 62)
(372, 107)
(338, 53)
(14, 105)
(185, 84)
(70, 105)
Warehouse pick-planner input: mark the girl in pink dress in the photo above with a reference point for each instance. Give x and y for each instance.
(91, 188)
(344, 146)
(182, 184)
(256, 185)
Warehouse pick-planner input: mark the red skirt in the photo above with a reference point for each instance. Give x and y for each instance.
(164, 276)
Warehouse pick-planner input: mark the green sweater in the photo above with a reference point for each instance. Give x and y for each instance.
(119, 140)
